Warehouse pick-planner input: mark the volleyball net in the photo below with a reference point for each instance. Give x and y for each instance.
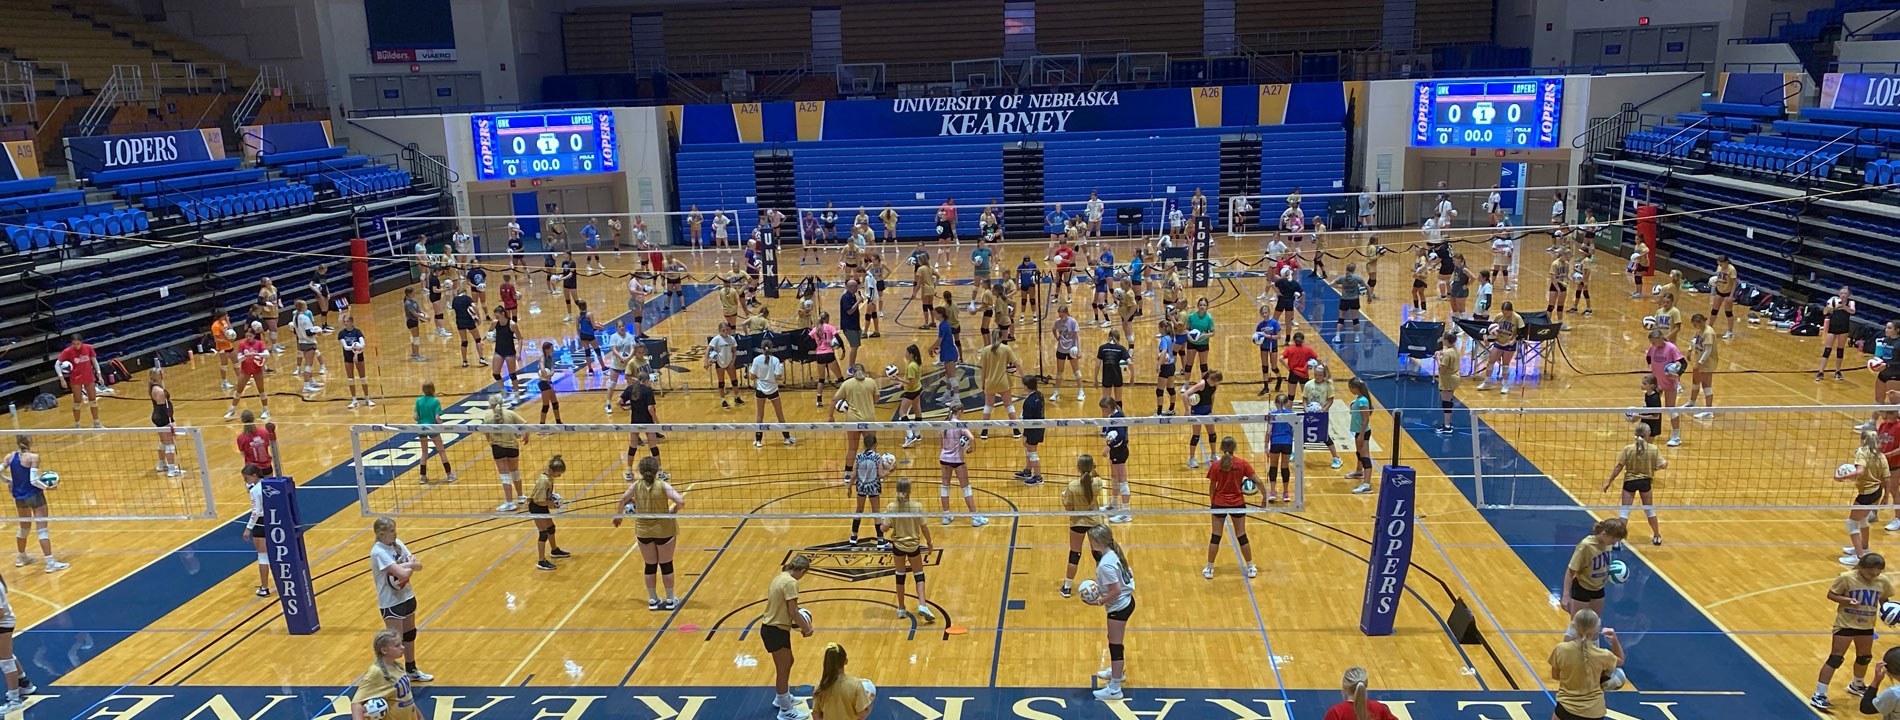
(1730, 458)
(1474, 212)
(783, 471)
(119, 473)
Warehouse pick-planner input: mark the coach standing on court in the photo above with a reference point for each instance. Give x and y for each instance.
(851, 320)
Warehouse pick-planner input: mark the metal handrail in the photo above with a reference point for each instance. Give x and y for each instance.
(1668, 142)
(1636, 106)
(1777, 90)
(1870, 23)
(1830, 143)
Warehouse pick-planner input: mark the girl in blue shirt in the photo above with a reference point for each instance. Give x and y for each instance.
(1361, 434)
(1104, 270)
(1164, 368)
(1280, 449)
(1266, 334)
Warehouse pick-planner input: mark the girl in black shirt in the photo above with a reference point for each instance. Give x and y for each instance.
(1113, 359)
(1031, 474)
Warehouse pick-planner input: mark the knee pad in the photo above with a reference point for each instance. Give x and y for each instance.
(652, 569)
(666, 568)
(1034, 456)
(1446, 404)
(1834, 661)
(438, 317)
(1213, 539)
(409, 635)
(1862, 660)
(10, 665)
(1075, 557)
(1242, 539)
(1651, 513)
(1121, 488)
(631, 451)
(556, 405)
(968, 491)
(263, 559)
(46, 534)
(1853, 526)
(169, 449)
(943, 491)
(464, 344)
(920, 577)
(545, 534)
(22, 534)
(1730, 313)
(902, 577)
(1114, 651)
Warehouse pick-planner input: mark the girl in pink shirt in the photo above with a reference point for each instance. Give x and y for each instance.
(1665, 364)
(823, 334)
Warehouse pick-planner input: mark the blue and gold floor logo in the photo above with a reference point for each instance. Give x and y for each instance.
(855, 562)
(934, 407)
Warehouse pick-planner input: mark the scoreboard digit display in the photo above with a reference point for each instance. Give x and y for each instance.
(566, 142)
(1523, 113)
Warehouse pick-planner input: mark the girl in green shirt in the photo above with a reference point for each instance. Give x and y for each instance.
(429, 412)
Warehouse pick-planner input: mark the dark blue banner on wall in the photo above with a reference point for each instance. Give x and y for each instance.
(1861, 91)
(89, 156)
(1004, 116)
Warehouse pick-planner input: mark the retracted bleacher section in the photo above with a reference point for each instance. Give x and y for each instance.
(1120, 165)
(874, 173)
(140, 258)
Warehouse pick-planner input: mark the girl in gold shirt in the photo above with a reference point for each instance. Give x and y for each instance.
(656, 536)
(1869, 477)
(542, 501)
(385, 685)
(910, 539)
(1858, 593)
(1579, 664)
(1450, 361)
(1722, 293)
(840, 696)
(1083, 497)
(1641, 459)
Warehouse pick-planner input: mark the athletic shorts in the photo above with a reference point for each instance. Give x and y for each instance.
(535, 508)
(402, 609)
(763, 395)
(1418, 284)
(504, 453)
(1563, 714)
(1234, 511)
(776, 638)
(1580, 593)
(30, 502)
(1558, 287)
(1199, 346)
(948, 464)
(852, 337)
(653, 540)
(1872, 498)
(1890, 373)
(1637, 484)
(1123, 614)
(1060, 355)
(1201, 410)
(1032, 436)
(306, 346)
(1166, 371)
(1853, 632)
(352, 356)
(1280, 449)
(1504, 348)
(1345, 304)
(913, 394)
(1283, 305)
(1118, 455)
(906, 553)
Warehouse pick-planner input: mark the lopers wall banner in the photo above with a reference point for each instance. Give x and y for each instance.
(1052, 113)
(89, 156)
(1861, 91)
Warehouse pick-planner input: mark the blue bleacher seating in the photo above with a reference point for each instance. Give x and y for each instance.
(1747, 109)
(27, 187)
(317, 166)
(850, 175)
(1127, 167)
(20, 204)
(154, 172)
(282, 158)
(721, 178)
(1863, 117)
(186, 183)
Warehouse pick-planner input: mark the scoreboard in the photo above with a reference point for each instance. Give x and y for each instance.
(568, 142)
(1523, 113)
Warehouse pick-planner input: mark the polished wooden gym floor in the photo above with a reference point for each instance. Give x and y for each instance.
(1727, 619)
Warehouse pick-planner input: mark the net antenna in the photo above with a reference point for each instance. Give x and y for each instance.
(720, 477)
(115, 473)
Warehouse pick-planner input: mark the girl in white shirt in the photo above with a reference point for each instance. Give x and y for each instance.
(950, 456)
(1115, 593)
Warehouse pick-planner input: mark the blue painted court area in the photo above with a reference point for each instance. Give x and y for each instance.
(94, 625)
(1687, 652)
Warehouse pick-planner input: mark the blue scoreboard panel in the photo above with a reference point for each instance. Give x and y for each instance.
(1520, 113)
(569, 142)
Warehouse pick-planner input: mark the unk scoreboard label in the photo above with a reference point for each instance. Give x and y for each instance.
(520, 145)
(1523, 113)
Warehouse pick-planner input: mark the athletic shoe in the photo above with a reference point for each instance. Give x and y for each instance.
(946, 519)
(543, 565)
(1207, 572)
(420, 676)
(1728, 336)
(368, 402)
(1820, 701)
(1111, 691)
(1016, 433)
(983, 435)
(509, 506)
(1263, 392)
(1193, 463)
(1443, 430)
(1119, 519)
(560, 554)
(1839, 376)
(1675, 439)
(911, 439)
(1021, 474)
(1849, 560)
(1355, 475)
(1065, 591)
(1893, 525)
(21, 559)
(670, 604)
(451, 478)
(263, 591)
(924, 612)
(793, 714)
(1655, 540)
(791, 441)
(1363, 489)
(1335, 338)
(265, 416)
(53, 566)
(653, 603)
(1705, 415)
(227, 385)
(1504, 389)
(1080, 396)
(12, 704)
(1817, 377)
(979, 521)
(758, 443)
(1856, 688)
(903, 614)
(1486, 385)
(1033, 480)
(1252, 571)
(353, 403)
(1337, 463)
(1104, 673)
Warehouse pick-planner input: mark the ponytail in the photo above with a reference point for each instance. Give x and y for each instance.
(496, 406)
(556, 464)
(834, 669)
(1355, 687)
(1106, 536)
(1227, 446)
(1085, 469)
(903, 494)
(649, 470)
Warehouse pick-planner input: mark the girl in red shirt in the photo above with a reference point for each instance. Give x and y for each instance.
(252, 353)
(1224, 478)
(1356, 706)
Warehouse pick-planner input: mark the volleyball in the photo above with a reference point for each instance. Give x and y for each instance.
(1260, 338)
(1890, 612)
(257, 326)
(887, 460)
(1249, 487)
(375, 708)
(963, 441)
(49, 479)
(230, 334)
(1635, 256)
(890, 371)
(911, 261)
(869, 689)
(1619, 571)
(1195, 336)
(1493, 329)
(1615, 680)
(836, 342)
(64, 367)
(806, 614)
(1876, 364)
(1194, 399)
(1313, 407)
(1649, 323)
(1845, 470)
(842, 406)
(1576, 276)
(1114, 437)
(805, 305)
(1658, 289)
(1674, 368)
(1090, 592)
